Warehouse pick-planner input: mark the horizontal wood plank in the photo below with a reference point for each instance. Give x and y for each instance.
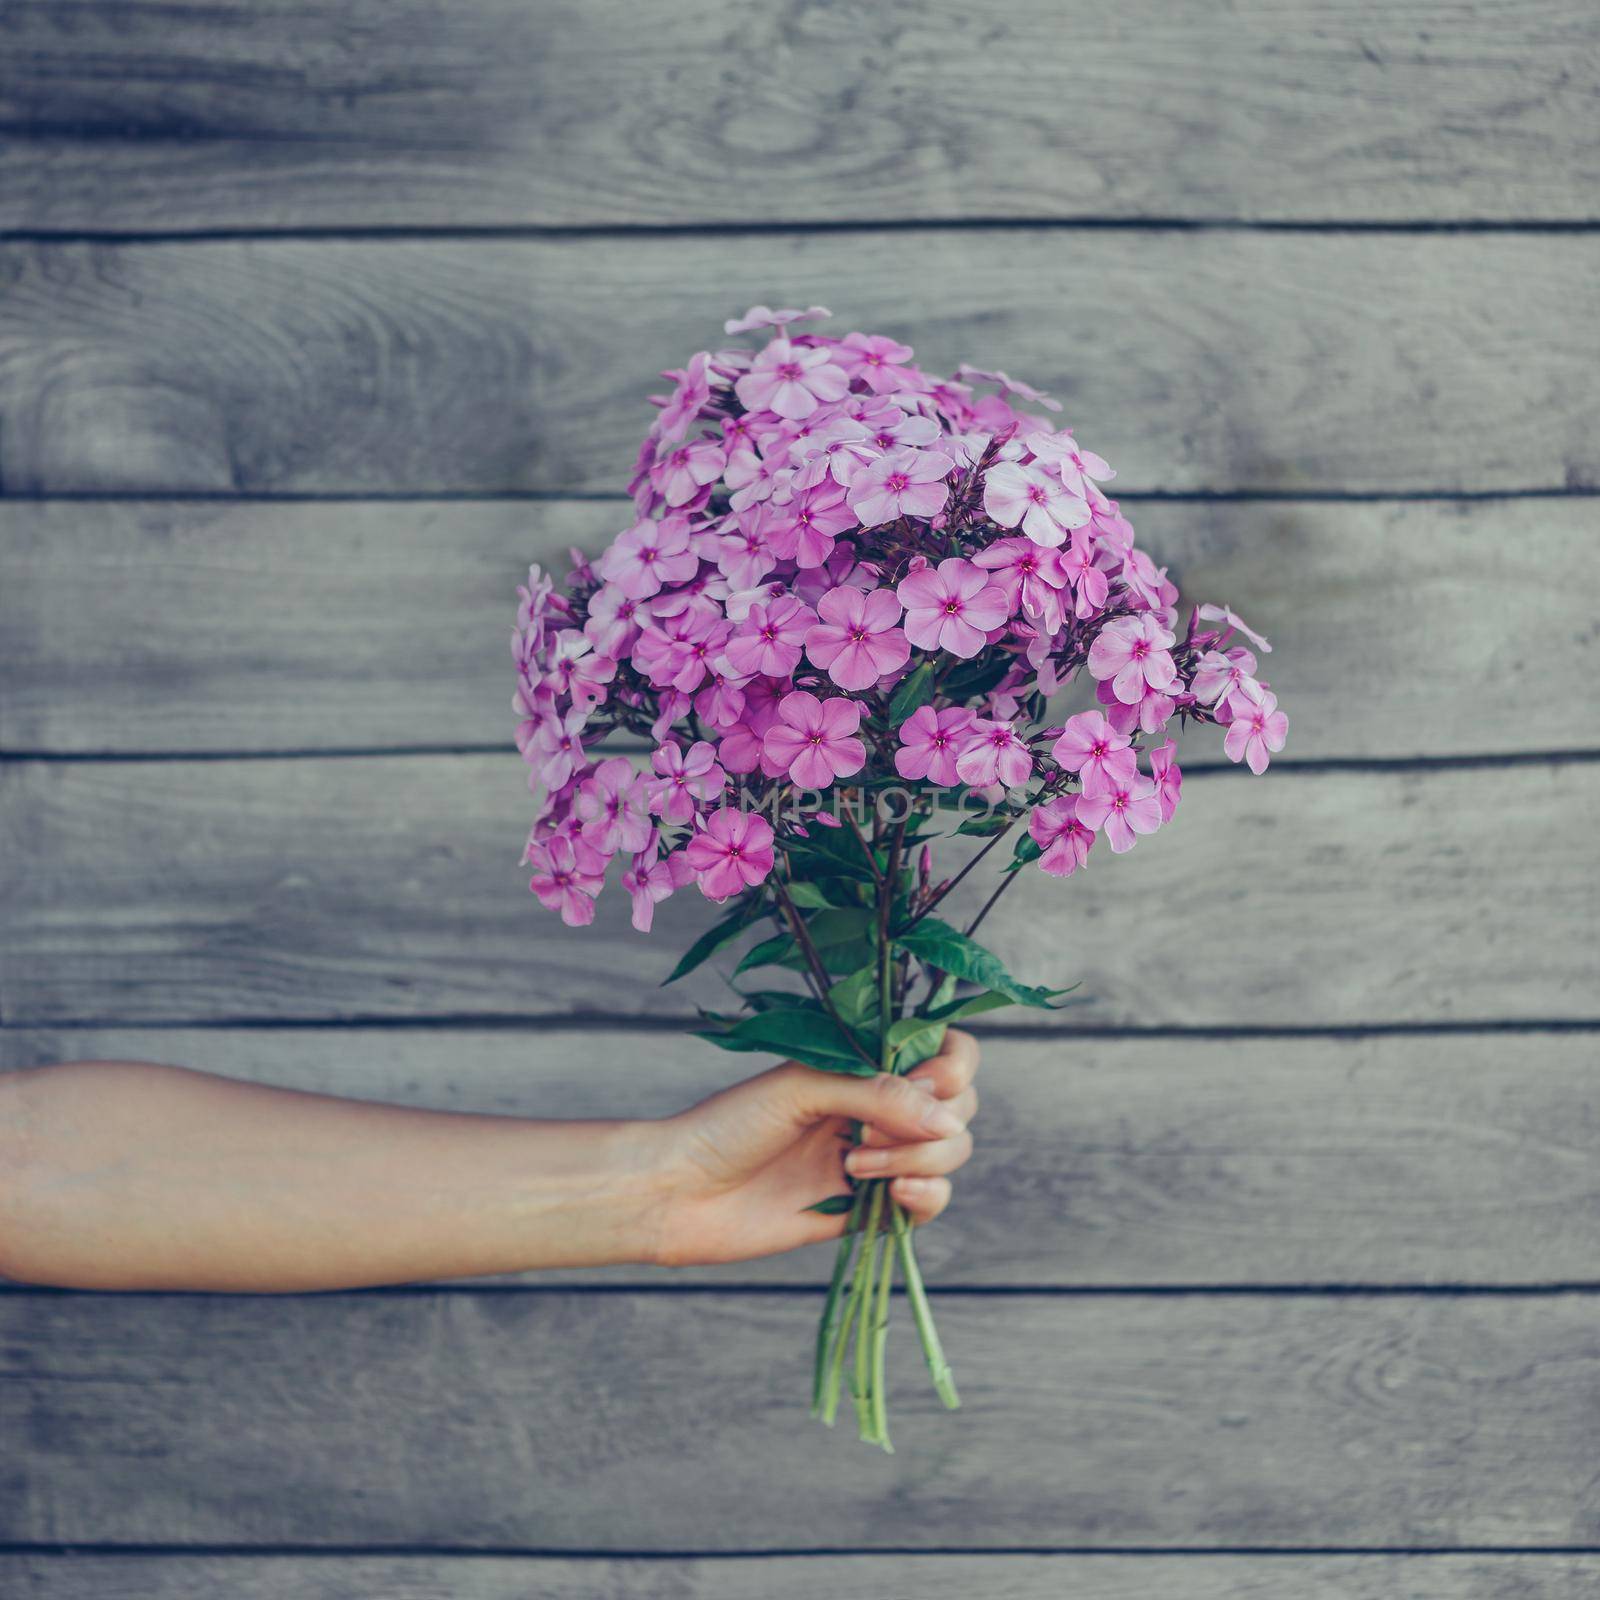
(161, 626)
(640, 1422)
(1194, 361)
(110, 1576)
(325, 889)
(426, 113)
(1444, 1160)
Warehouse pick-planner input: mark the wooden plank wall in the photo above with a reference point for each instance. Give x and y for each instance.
(318, 321)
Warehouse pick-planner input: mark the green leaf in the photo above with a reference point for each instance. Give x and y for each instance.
(808, 896)
(714, 938)
(911, 694)
(856, 998)
(770, 952)
(914, 1039)
(844, 936)
(802, 1034)
(1028, 849)
(939, 945)
(832, 853)
(984, 826)
(835, 1205)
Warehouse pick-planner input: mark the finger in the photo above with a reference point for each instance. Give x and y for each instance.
(905, 1111)
(933, 1159)
(965, 1106)
(953, 1068)
(923, 1198)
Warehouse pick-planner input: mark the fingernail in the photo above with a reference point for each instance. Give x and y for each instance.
(863, 1163)
(941, 1120)
(922, 1081)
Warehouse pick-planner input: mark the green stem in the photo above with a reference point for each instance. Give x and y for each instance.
(880, 1346)
(871, 1249)
(922, 1313)
(830, 1309)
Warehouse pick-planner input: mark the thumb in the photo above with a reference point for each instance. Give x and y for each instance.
(905, 1110)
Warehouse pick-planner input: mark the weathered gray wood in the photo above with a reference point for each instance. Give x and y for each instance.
(389, 887)
(169, 626)
(864, 1577)
(1194, 361)
(1451, 1159)
(639, 1422)
(140, 116)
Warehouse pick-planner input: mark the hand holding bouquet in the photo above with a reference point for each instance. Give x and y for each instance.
(849, 598)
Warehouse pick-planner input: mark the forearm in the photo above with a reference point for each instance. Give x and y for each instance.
(118, 1175)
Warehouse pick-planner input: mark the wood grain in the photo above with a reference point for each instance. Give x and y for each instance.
(326, 889)
(113, 1576)
(160, 626)
(1194, 361)
(1444, 1160)
(650, 1422)
(200, 116)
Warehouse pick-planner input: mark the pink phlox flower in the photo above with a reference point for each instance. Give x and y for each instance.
(994, 754)
(649, 555)
(894, 429)
(537, 601)
(1078, 468)
(577, 671)
(1223, 614)
(932, 741)
(1092, 748)
(737, 605)
(814, 740)
(877, 361)
(1007, 385)
(527, 651)
(691, 390)
(666, 647)
(611, 805)
(671, 707)
(766, 317)
(533, 704)
(1150, 713)
(613, 622)
(804, 530)
(684, 471)
(840, 571)
(1121, 810)
(683, 780)
(837, 450)
(1133, 652)
(564, 878)
(1064, 840)
(1226, 679)
(856, 642)
(556, 750)
(1255, 731)
(1031, 575)
(1167, 777)
(651, 879)
(1142, 578)
(1016, 493)
(791, 380)
(904, 483)
(1090, 585)
(731, 853)
(771, 638)
(706, 589)
(720, 703)
(752, 477)
(952, 607)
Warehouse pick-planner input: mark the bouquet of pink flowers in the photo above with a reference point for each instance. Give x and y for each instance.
(841, 617)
